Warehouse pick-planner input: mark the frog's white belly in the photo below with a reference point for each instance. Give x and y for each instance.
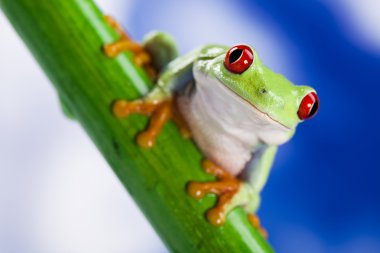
(225, 127)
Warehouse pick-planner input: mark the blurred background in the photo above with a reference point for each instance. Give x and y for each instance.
(58, 195)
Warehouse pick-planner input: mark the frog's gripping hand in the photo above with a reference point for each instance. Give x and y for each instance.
(154, 54)
(160, 103)
(160, 112)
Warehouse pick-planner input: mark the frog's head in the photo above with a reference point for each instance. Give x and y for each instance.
(241, 70)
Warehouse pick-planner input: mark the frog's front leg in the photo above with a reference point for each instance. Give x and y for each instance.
(159, 111)
(160, 103)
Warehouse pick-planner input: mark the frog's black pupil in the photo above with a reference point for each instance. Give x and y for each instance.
(314, 109)
(235, 55)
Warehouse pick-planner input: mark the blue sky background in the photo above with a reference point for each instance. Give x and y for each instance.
(323, 194)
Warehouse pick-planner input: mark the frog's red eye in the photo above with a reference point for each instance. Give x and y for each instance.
(238, 59)
(309, 106)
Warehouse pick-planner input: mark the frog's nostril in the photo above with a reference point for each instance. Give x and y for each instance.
(238, 59)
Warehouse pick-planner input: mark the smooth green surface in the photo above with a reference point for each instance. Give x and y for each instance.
(66, 39)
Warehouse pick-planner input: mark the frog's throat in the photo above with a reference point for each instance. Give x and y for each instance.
(220, 82)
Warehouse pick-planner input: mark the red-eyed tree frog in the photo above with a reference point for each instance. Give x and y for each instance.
(236, 109)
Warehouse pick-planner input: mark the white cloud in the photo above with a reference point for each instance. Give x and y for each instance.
(360, 21)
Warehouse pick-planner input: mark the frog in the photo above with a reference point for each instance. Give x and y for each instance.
(235, 109)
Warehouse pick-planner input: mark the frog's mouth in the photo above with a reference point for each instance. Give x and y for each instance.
(240, 99)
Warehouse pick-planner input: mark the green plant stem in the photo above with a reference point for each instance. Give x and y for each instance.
(66, 38)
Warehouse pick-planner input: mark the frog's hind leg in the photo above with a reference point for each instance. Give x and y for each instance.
(124, 43)
(116, 26)
(231, 193)
(225, 188)
(159, 112)
(255, 222)
(140, 57)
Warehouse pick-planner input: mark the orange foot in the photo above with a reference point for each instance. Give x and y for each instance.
(255, 222)
(227, 188)
(159, 113)
(140, 57)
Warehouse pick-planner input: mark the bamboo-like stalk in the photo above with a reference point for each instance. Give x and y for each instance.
(66, 38)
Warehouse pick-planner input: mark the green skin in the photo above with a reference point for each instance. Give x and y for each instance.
(267, 92)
